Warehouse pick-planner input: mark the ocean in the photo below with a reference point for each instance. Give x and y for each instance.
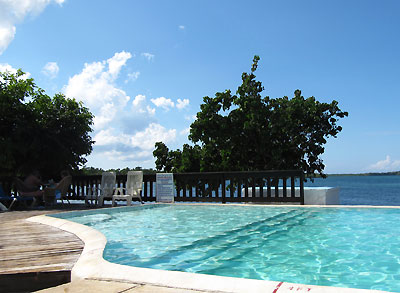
(364, 190)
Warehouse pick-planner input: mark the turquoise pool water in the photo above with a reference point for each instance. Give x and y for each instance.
(344, 247)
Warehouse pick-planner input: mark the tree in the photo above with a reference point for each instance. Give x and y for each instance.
(245, 132)
(39, 132)
(163, 156)
(177, 161)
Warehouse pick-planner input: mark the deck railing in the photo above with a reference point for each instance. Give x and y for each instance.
(82, 184)
(256, 186)
(249, 186)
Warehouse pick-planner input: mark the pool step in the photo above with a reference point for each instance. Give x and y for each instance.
(270, 225)
(230, 253)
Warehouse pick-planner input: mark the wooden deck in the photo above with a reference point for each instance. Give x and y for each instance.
(34, 256)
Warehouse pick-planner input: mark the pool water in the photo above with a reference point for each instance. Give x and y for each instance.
(343, 247)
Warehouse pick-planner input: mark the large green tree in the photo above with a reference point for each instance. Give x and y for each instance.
(246, 131)
(40, 132)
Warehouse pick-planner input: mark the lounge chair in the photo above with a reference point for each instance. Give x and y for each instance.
(6, 199)
(60, 191)
(11, 200)
(133, 188)
(25, 192)
(105, 191)
(3, 207)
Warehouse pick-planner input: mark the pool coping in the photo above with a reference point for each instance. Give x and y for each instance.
(92, 265)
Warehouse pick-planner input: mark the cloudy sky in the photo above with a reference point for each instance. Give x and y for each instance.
(143, 67)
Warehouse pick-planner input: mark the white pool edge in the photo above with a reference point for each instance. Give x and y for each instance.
(92, 265)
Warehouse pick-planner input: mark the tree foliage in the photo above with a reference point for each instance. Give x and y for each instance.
(246, 131)
(40, 132)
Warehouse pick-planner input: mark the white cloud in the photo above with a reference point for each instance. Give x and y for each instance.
(7, 67)
(138, 100)
(148, 56)
(7, 33)
(139, 104)
(138, 156)
(150, 110)
(105, 115)
(132, 76)
(117, 61)
(385, 165)
(96, 87)
(190, 118)
(106, 137)
(181, 27)
(163, 103)
(155, 132)
(13, 12)
(51, 69)
(141, 143)
(182, 103)
(185, 131)
(167, 104)
(125, 129)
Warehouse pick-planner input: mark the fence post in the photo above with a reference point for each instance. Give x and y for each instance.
(302, 188)
(223, 189)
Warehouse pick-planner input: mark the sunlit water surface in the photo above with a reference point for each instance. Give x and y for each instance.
(345, 247)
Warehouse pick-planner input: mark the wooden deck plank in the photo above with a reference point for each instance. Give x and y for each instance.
(39, 256)
(60, 246)
(16, 268)
(33, 254)
(26, 245)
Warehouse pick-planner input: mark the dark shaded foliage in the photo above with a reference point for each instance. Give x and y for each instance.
(40, 132)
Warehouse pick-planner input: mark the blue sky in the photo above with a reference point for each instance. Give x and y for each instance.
(143, 67)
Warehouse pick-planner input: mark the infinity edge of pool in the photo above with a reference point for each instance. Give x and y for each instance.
(92, 265)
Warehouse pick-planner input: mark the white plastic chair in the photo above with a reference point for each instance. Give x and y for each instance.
(105, 191)
(133, 188)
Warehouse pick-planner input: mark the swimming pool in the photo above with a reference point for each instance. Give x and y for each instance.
(343, 247)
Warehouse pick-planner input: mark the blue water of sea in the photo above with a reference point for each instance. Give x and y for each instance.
(364, 190)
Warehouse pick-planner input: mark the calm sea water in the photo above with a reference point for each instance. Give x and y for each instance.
(364, 190)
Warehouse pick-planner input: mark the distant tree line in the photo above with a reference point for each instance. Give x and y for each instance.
(99, 171)
(245, 132)
(393, 173)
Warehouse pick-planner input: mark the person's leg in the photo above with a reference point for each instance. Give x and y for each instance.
(49, 196)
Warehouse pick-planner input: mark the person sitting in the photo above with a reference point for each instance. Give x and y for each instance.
(64, 174)
(33, 181)
(55, 190)
(30, 187)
